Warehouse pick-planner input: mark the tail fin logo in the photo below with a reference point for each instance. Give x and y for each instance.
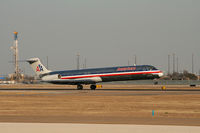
(39, 68)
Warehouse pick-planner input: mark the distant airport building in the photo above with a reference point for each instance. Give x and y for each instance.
(2, 78)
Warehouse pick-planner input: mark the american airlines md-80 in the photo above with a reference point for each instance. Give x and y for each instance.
(94, 75)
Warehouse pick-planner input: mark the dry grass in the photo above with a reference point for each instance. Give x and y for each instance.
(102, 106)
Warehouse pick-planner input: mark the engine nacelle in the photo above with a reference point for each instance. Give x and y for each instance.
(51, 77)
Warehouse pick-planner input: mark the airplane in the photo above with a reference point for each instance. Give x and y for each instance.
(94, 75)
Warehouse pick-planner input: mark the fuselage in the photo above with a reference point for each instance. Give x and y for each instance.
(107, 74)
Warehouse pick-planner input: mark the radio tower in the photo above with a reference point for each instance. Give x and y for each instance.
(78, 61)
(16, 56)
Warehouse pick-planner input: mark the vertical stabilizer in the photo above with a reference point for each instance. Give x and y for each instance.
(37, 66)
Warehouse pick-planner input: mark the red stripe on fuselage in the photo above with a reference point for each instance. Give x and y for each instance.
(114, 74)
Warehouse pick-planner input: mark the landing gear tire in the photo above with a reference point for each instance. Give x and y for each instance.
(79, 87)
(93, 87)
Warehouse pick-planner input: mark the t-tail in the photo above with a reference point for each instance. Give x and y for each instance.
(37, 66)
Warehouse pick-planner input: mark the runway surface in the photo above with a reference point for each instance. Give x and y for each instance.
(100, 92)
(93, 128)
(68, 89)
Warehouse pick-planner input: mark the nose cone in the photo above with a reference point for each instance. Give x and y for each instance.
(160, 74)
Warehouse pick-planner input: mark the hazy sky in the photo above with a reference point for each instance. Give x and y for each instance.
(105, 32)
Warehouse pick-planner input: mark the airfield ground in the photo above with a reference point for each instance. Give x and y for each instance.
(113, 104)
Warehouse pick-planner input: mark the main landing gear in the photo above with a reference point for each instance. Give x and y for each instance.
(92, 87)
(79, 87)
